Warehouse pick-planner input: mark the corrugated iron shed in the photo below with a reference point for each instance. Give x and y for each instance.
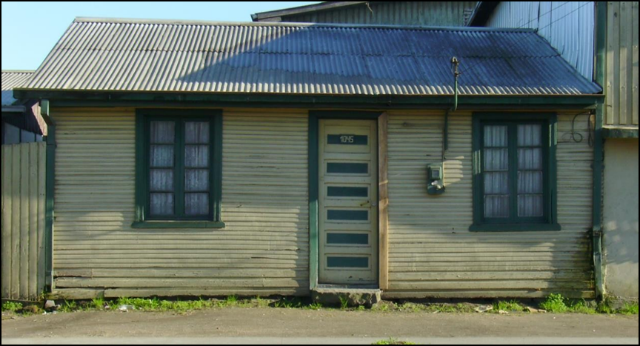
(295, 58)
(11, 80)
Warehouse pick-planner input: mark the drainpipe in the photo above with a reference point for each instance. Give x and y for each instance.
(600, 65)
(445, 134)
(50, 179)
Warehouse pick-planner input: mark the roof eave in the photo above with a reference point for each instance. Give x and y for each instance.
(326, 5)
(482, 12)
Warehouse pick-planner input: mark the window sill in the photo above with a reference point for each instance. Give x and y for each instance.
(514, 227)
(178, 224)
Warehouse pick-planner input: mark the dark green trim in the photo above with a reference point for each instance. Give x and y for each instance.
(601, 42)
(143, 117)
(619, 133)
(216, 168)
(313, 200)
(264, 100)
(599, 74)
(178, 224)
(513, 222)
(360, 115)
(49, 205)
(514, 227)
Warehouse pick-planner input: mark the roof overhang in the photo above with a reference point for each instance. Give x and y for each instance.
(273, 100)
(13, 109)
(482, 12)
(277, 14)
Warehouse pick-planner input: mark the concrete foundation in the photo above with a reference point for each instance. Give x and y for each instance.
(354, 296)
(621, 218)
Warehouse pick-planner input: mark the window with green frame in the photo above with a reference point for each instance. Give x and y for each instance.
(514, 172)
(178, 168)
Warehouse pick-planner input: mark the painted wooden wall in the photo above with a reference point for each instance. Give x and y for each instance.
(431, 251)
(263, 249)
(621, 77)
(23, 222)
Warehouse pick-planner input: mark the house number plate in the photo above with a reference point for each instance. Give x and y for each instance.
(347, 139)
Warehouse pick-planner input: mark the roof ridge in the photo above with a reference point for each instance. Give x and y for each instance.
(18, 71)
(290, 24)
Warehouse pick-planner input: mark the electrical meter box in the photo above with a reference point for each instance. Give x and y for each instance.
(435, 185)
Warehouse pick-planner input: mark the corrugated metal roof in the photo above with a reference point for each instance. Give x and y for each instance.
(294, 58)
(11, 80)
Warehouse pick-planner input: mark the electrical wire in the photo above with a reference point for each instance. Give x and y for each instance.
(577, 136)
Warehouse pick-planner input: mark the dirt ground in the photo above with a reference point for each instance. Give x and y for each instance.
(280, 322)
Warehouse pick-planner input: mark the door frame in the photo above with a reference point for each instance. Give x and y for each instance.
(313, 157)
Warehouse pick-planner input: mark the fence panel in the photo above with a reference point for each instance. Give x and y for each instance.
(23, 221)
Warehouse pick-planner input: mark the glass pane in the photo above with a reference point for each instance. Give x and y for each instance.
(529, 135)
(196, 180)
(161, 180)
(196, 203)
(496, 159)
(530, 205)
(161, 156)
(496, 183)
(196, 155)
(196, 132)
(530, 182)
(495, 136)
(162, 131)
(530, 158)
(496, 206)
(161, 204)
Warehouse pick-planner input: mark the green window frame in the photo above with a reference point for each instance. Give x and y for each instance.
(512, 222)
(179, 219)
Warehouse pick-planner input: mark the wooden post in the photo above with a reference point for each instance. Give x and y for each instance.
(383, 202)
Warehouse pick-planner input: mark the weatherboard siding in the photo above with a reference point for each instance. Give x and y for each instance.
(431, 251)
(262, 250)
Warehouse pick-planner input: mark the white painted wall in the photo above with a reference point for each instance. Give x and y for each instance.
(621, 217)
(567, 25)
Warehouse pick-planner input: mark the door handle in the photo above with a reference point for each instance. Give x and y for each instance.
(365, 204)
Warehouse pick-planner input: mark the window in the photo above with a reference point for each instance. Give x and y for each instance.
(514, 180)
(178, 168)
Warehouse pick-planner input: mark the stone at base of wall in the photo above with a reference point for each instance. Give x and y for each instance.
(354, 297)
(618, 302)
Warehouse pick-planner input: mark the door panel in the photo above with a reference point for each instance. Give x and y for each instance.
(348, 222)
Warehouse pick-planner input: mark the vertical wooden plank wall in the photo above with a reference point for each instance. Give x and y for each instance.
(23, 186)
(621, 83)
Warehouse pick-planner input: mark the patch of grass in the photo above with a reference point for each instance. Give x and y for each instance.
(68, 306)
(392, 341)
(315, 306)
(559, 304)
(629, 309)
(508, 306)
(97, 303)
(11, 306)
(289, 303)
(554, 303)
(231, 300)
(344, 302)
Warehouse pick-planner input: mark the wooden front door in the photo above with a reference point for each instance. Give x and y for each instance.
(348, 196)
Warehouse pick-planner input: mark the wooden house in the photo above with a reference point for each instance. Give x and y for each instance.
(211, 158)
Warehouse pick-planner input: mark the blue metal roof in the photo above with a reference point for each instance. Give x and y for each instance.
(295, 58)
